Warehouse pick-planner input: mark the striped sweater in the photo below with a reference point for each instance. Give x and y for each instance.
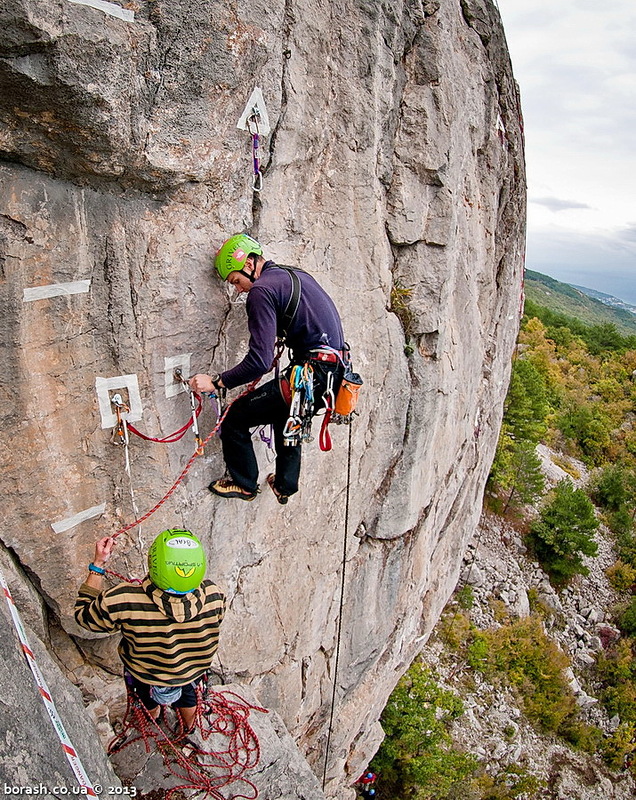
(167, 640)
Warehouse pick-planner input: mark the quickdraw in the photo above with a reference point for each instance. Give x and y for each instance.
(297, 429)
(256, 143)
(329, 401)
(196, 409)
(119, 435)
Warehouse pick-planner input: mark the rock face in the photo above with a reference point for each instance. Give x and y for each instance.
(394, 172)
(31, 755)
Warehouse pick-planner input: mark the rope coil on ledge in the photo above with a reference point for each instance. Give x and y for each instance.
(203, 770)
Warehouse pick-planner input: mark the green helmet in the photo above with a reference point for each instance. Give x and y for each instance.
(233, 254)
(176, 561)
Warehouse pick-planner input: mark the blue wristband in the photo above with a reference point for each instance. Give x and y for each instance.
(97, 570)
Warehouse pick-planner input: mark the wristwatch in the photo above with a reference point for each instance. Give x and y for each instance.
(216, 382)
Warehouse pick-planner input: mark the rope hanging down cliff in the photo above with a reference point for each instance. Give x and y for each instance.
(340, 609)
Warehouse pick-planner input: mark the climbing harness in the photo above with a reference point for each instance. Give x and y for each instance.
(218, 714)
(67, 745)
(253, 127)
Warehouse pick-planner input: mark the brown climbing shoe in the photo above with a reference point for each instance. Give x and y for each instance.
(225, 487)
(282, 498)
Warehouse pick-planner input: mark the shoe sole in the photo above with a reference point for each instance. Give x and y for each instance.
(282, 498)
(230, 495)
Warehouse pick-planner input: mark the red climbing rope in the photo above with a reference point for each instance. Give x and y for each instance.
(219, 714)
(171, 437)
(186, 469)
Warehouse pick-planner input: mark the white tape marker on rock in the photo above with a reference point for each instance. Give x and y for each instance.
(71, 522)
(112, 9)
(55, 290)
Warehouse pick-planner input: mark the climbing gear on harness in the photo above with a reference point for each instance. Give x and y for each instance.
(176, 561)
(328, 399)
(282, 498)
(298, 426)
(225, 487)
(233, 254)
(207, 772)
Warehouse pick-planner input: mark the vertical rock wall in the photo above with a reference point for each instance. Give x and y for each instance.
(394, 173)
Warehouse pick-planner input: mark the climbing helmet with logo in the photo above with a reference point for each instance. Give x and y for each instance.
(233, 254)
(176, 561)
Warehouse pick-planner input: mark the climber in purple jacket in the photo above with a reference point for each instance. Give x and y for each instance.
(287, 305)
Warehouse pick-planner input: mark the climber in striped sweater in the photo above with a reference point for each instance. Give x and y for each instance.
(169, 624)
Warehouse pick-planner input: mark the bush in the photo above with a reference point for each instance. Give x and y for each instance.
(616, 670)
(619, 748)
(627, 620)
(466, 597)
(621, 576)
(563, 533)
(533, 665)
(610, 488)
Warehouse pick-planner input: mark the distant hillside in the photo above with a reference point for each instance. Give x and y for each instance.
(575, 302)
(608, 299)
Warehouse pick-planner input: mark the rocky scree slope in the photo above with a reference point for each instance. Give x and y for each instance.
(498, 570)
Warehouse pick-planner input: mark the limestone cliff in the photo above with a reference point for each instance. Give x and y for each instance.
(394, 173)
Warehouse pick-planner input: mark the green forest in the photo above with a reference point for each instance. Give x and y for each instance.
(572, 387)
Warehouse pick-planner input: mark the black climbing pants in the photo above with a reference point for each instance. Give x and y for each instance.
(266, 406)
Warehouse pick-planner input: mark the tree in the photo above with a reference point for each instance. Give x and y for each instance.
(563, 533)
(526, 403)
(589, 428)
(517, 471)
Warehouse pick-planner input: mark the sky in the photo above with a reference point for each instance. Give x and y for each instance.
(575, 62)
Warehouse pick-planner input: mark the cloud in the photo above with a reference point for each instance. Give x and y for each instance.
(628, 233)
(555, 204)
(577, 72)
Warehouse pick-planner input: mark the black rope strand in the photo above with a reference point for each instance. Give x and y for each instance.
(342, 589)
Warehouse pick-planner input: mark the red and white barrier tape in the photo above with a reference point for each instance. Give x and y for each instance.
(67, 745)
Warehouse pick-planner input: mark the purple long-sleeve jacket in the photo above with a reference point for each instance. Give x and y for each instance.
(315, 324)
